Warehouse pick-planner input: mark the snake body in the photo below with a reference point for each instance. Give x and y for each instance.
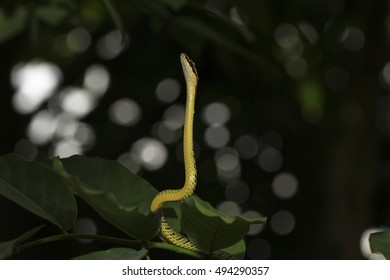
(167, 233)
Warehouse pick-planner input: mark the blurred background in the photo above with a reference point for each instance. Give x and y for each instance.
(292, 116)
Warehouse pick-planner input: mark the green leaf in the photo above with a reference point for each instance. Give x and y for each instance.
(51, 15)
(172, 213)
(7, 248)
(237, 250)
(115, 254)
(119, 196)
(211, 230)
(380, 243)
(12, 25)
(37, 189)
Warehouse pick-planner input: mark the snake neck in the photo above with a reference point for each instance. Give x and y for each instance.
(189, 159)
(188, 144)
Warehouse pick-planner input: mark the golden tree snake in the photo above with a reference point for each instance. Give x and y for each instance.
(166, 231)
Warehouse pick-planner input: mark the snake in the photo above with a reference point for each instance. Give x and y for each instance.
(166, 231)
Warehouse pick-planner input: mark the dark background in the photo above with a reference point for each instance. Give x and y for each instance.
(307, 80)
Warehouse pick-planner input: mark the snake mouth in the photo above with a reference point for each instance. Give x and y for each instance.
(189, 69)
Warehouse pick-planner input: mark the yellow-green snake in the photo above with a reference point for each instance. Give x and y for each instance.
(167, 233)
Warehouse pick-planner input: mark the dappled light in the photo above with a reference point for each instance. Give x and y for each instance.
(78, 39)
(110, 45)
(34, 83)
(216, 114)
(247, 146)
(282, 222)
(168, 90)
(97, 79)
(285, 185)
(125, 112)
(151, 153)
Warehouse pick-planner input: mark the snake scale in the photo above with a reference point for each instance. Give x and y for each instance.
(166, 231)
(191, 78)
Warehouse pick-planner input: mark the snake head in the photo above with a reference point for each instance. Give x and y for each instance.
(189, 70)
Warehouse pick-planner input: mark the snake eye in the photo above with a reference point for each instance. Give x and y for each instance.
(189, 68)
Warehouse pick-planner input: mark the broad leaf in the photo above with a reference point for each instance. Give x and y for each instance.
(172, 213)
(119, 196)
(7, 248)
(115, 254)
(237, 250)
(37, 189)
(211, 230)
(380, 243)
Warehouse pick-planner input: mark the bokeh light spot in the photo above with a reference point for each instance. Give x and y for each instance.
(151, 153)
(96, 79)
(66, 148)
(217, 136)
(286, 35)
(282, 222)
(270, 160)
(247, 146)
(110, 45)
(309, 31)
(67, 126)
(228, 164)
(125, 112)
(216, 114)
(130, 162)
(285, 185)
(258, 249)
(168, 90)
(229, 208)
(164, 132)
(174, 116)
(34, 82)
(78, 39)
(353, 39)
(85, 135)
(42, 127)
(77, 101)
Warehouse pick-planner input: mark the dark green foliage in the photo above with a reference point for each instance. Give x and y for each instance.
(47, 187)
(380, 243)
